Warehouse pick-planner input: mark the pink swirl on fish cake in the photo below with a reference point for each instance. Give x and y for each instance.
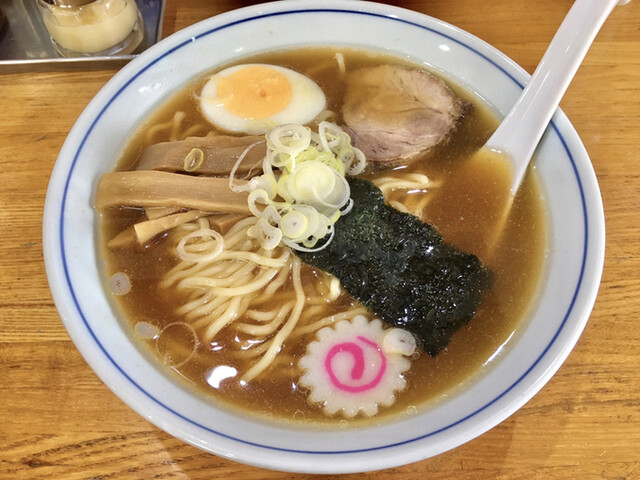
(358, 369)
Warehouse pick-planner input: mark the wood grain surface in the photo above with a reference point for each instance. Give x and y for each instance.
(58, 421)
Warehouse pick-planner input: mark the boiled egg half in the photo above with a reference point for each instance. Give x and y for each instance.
(254, 98)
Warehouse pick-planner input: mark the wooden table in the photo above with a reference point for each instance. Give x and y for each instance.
(60, 422)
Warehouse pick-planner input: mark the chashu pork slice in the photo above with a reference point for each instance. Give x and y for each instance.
(394, 113)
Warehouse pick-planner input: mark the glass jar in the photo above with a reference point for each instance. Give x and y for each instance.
(93, 27)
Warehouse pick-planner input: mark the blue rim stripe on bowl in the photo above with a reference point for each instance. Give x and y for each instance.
(288, 450)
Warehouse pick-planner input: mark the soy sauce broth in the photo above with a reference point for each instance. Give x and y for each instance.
(517, 262)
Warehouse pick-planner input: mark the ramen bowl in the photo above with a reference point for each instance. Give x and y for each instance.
(564, 301)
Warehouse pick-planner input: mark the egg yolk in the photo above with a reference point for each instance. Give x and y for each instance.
(255, 92)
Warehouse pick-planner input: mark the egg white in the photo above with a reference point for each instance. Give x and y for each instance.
(307, 101)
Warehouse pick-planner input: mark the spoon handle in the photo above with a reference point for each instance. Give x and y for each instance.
(521, 130)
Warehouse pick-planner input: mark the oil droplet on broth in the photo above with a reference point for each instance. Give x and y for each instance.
(176, 343)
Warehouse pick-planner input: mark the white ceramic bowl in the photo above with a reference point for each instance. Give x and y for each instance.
(576, 240)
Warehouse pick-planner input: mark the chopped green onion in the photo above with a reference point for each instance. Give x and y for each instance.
(294, 224)
(194, 159)
(302, 191)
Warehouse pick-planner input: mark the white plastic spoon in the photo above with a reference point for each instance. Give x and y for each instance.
(517, 136)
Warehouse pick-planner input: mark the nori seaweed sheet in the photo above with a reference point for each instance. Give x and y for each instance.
(402, 270)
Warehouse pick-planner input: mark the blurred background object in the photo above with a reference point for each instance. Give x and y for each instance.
(26, 43)
(92, 27)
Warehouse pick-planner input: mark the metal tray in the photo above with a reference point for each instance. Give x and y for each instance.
(25, 44)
